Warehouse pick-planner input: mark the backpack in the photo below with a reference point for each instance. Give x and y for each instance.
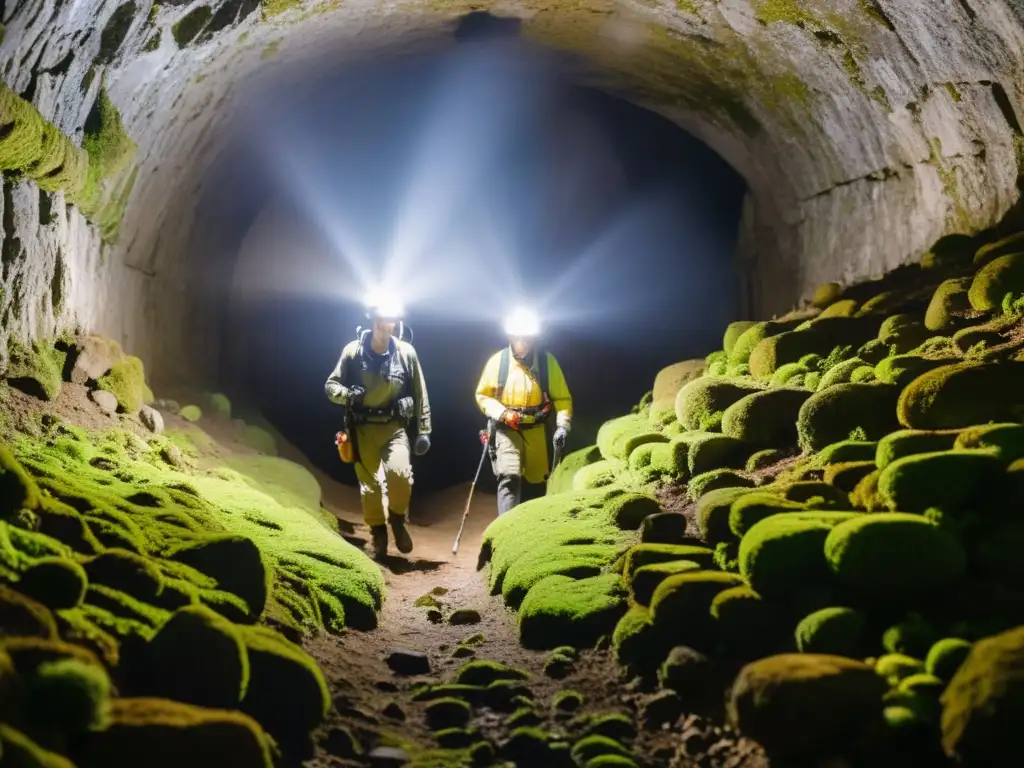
(542, 371)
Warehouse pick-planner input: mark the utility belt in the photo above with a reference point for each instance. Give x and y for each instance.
(363, 415)
(533, 415)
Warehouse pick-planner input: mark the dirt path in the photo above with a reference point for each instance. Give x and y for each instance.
(370, 699)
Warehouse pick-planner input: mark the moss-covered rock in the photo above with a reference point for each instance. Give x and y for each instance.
(784, 553)
(647, 578)
(963, 395)
(833, 698)
(749, 509)
(447, 713)
(903, 369)
(826, 294)
(946, 656)
(36, 369)
(21, 615)
(590, 747)
(765, 458)
(848, 450)
(947, 480)
(198, 657)
(671, 379)
(913, 636)
(559, 610)
(912, 442)
(55, 582)
(126, 381)
(949, 305)
(663, 528)
(840, 372)
(984, 702)
(845, 411)
(846, 475)
(192, 413)
(1006, 439)
(987, 253)
(713, 510)
(597, 475)
(168, 734)
(733, 331)
(17, 749)
(17, 488)
(280, 671)
(791, 374)
(701, 404)
(746, 624)
(903, 331)
(67, 695)
(819, 336)
(235, 562)
(751, 337)
(765, 418)
(894, 667)
(618, 438)
(1000, 276)
(648, 554)
(634, 639)
(681, 605)
(259, 440)
(126, 572)
(560, 480)
(709, 451)
(839, 631)
(716, 479)
(894, 557)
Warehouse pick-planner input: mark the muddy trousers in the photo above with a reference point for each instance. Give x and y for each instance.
(384, 469)
(521, 459)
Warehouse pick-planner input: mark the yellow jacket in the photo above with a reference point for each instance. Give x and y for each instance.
(522, 389)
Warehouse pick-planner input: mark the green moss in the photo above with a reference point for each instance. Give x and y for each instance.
(125, 381)
(715, 479)
(910, 442)
(561, 479)
(191, 413)
(234, 562)
(647, 578)
(67, 694)
(560, 610)
(618, 438)
(983, 703)
(946, 656)
(990, 251)
(962, 395)
(270, 50)
(839, 412)
(783, 554)
(912, 636)
(765, 458)
(486, 672)
(110, 150)
(903, 369)
(894, 667)
(708, 451)
(187, 29)
(744, 622)
(17, 488)
(949, 305)
(765, 418)
(894, 557)
(783, 11)
(220, 405)
(947, 480)
(55, 582)
(713, 514)
(1000, 276)
(36, 369)
(733, 332)
(590, 747)
(818, 336)
(848, 450)
(838, 631)
(755, 334)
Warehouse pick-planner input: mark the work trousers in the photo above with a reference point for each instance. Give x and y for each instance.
(519, 455)
(384, 469)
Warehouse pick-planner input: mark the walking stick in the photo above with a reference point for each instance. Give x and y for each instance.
(465, 514)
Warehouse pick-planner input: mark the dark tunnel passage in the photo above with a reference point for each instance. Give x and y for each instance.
(472, 180)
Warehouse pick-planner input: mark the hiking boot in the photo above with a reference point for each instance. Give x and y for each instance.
(402, 538)
(380, 540)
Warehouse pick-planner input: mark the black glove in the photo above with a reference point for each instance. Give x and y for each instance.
(422, 445)
(355, 396)
(405, 407)
(559, 438)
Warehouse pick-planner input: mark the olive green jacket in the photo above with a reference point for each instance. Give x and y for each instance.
(404, 377)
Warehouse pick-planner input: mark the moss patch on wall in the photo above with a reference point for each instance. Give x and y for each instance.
(188, 28)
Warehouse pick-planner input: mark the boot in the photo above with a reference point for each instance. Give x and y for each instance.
(402, 538)
(380, 540)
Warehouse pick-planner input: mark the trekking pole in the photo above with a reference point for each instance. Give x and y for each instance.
(465, 514)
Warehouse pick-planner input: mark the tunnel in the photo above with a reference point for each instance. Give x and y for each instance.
(776, 244)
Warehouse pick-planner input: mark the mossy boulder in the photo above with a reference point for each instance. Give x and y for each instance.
(681, 605)
(894, 557)
(903, 331)
(1006, 439)
(912, 442)
(949, 305)
(840, 372)
(55, 582)
(845, 411)
(560, 480)
(21, 615)
(259, 440)
(946, 656)
(765, 458)
(701, 404)
(751, 508)
(826, 294)
(841, 308)
(984, 703)
(126, 572)
(713, 510)
(818, 336)
(947, 480)
(37, 369)
(715, 479)
(590, 747)
(765, 418)
(67, 695)
(618, 438)
(1002, 275)
(708, 451)
(197, 657)
(846, 451)
(192, 413)
(903, 369)
(745, 623)
(964, 395)
(751, 337)
(839, 631)
(846, 475)
(733, 331)
(597, 475)
(1010, 244)
(834, 699)
(159, 733)
(447, 713)
(280, 671)
(784, 554)
(671, 379)
(913, 636)
(17, 488)
(126, 381)
(235, 562)
(560, 610)
(647, 578)
(894, 667)
(642, 555)
(663, 528)
(634, 640)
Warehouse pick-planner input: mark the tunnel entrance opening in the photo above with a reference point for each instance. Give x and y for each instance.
(467, 182)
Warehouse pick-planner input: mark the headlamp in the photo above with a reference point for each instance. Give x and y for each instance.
(384, 306)
(522, 323)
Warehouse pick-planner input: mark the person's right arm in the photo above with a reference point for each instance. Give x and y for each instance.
(337, 391)
(487, 388)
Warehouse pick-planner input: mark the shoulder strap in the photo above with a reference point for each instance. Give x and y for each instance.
(503, 363)
(542, 369)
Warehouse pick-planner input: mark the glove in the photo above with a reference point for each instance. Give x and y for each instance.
(422, 445)
(355, 396)
(405, 407)
(333, 389)
(559, 438)
(511, 418)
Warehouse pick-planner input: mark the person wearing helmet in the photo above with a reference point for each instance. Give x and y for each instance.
(519, 389)
(379, 380)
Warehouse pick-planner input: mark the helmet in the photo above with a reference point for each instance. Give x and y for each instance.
(384, 306)
(522, 323)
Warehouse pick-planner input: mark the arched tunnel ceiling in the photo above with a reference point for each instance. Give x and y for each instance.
(865, 129)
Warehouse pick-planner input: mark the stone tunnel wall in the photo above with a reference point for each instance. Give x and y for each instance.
(865, 130)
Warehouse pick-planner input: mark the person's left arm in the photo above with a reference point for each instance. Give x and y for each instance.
(558, 391)
(420, 397)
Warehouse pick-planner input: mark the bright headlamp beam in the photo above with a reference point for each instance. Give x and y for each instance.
(522, 323)
(384, 304)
